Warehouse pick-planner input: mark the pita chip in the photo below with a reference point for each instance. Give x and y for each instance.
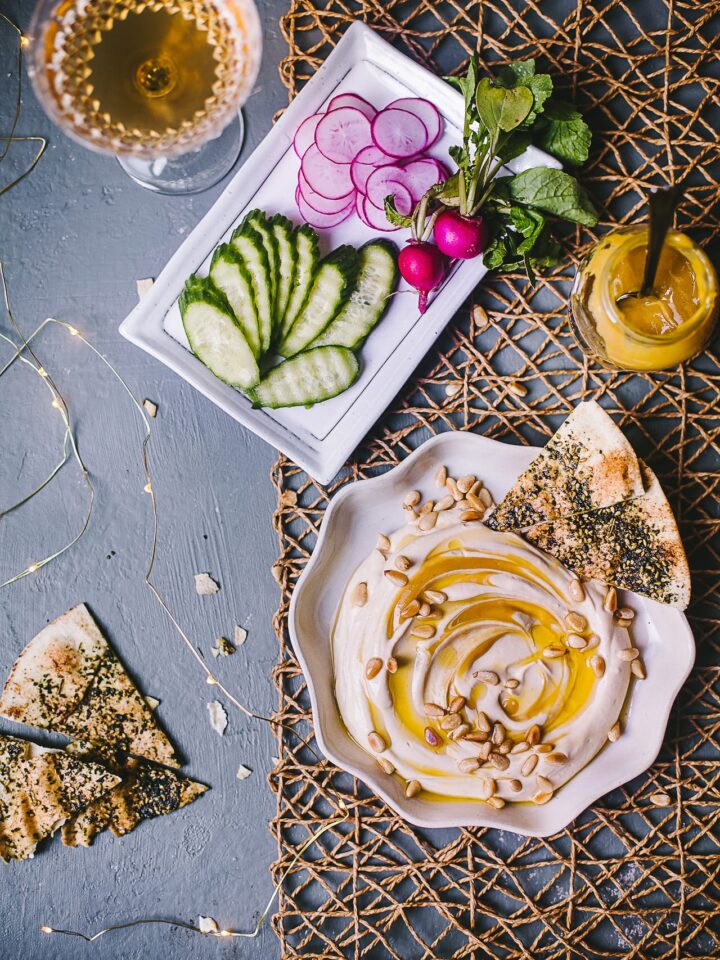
(39, 790)
(588, 464)
(634, 545)
(146, 792)
(68, 680)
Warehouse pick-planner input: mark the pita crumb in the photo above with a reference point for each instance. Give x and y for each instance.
(144, 287)
(150, 407)
(222, 648)
(152, 702)
(205, 586)
(218, 716)
(240, 636)
(207, 925)
(243, 772)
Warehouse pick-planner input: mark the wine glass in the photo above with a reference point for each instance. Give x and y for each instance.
(158, 83)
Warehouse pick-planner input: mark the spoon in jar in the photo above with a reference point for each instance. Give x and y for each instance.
(662, 204)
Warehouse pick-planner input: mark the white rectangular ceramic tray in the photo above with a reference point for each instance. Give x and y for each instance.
(319, 439)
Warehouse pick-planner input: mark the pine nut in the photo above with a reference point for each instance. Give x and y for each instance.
(517, 389)
(452, 487)
(476, 503)
(556, 757)
(465, 483)
(434, 596)
(394, 576)
(451, 721)
(598, 666)
(496, 802)
(412, 498)
(614, 733)
(543, 782)
(632, 653)
(410, 610)
(480, 319)
(610, 601)
(453, 389)
(576, 622)
(469, 765)
(425, 610)
(477, 736)
(540, 798)
(444, 504)
(661, 799)
(373, 667)
(433, 710)
(388, 767)
(486, 788)
(522, 747)
(575, 642)
(624, 624)
(533, 735)
(498, 733)
(432, 738)
(638, 669)
(441, 476)
(482, 722)
(383, 542)
(484, 750)
(512, 683)
(505, 747)
(499, 761)
(527, 768)
(486, 498)
(456, 704)
(514, 785)
(423, 631)
(576, 591)
(544, 748)
(392, 665)
(412, 789)
(359, 595)
(427, 522)
(471, 516)
(403, 563)
(377, 741)
(487, 676)
(624, 613)
(427, 507)
(460, 732)
(553, 653)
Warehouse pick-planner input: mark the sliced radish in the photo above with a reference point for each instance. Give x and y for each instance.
(322, 221)
(380, 181)
(420, 175)
(331, 180)
(342, 133)
(367, 161)
(426, 113)
(360, 208)
(352, 100)
(375, 218)
(305, 133)
(320, 203)
(398, 133)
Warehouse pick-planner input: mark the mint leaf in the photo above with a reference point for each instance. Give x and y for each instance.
(563, 133)
(554, 192)
(500, 109)
(391, 212)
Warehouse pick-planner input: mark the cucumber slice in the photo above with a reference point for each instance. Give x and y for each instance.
(230, 275)
(214, 334)
(377, 278)
(307, 257)
(258, 220)
(331, 286)
(287, 259)
(249, 244)
(307, 378)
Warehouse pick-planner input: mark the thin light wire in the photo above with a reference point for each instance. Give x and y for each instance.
(59, 402)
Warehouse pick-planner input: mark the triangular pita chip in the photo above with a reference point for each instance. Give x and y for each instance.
(39, 790)
(586, 465)
(146, 792)
(67, 679)
(634, 545)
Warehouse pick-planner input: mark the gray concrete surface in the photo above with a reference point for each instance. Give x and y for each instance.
(74, 238)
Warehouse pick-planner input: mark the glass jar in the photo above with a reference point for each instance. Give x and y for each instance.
(644, 333)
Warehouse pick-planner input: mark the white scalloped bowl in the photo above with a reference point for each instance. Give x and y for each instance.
(348, 534)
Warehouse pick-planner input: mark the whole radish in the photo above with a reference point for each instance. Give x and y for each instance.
(458, 236)
(423, 266)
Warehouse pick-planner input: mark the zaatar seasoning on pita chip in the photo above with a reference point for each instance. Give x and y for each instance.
(146, 792)
(68, 680)
(634, 545)
(586, 465)
(39, 790)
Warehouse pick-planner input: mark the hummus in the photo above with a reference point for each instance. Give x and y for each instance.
(500, 687)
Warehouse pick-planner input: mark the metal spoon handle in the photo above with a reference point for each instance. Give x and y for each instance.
(662, 205)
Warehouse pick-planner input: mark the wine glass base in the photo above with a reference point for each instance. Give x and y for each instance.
(191, 172)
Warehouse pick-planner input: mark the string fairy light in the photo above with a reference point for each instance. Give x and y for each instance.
(71, 448)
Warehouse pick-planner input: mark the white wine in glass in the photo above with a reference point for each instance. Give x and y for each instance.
(159, 83)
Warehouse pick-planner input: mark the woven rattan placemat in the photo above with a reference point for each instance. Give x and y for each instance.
(630, 878)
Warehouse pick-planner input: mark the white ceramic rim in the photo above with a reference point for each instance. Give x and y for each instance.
(572, 799)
